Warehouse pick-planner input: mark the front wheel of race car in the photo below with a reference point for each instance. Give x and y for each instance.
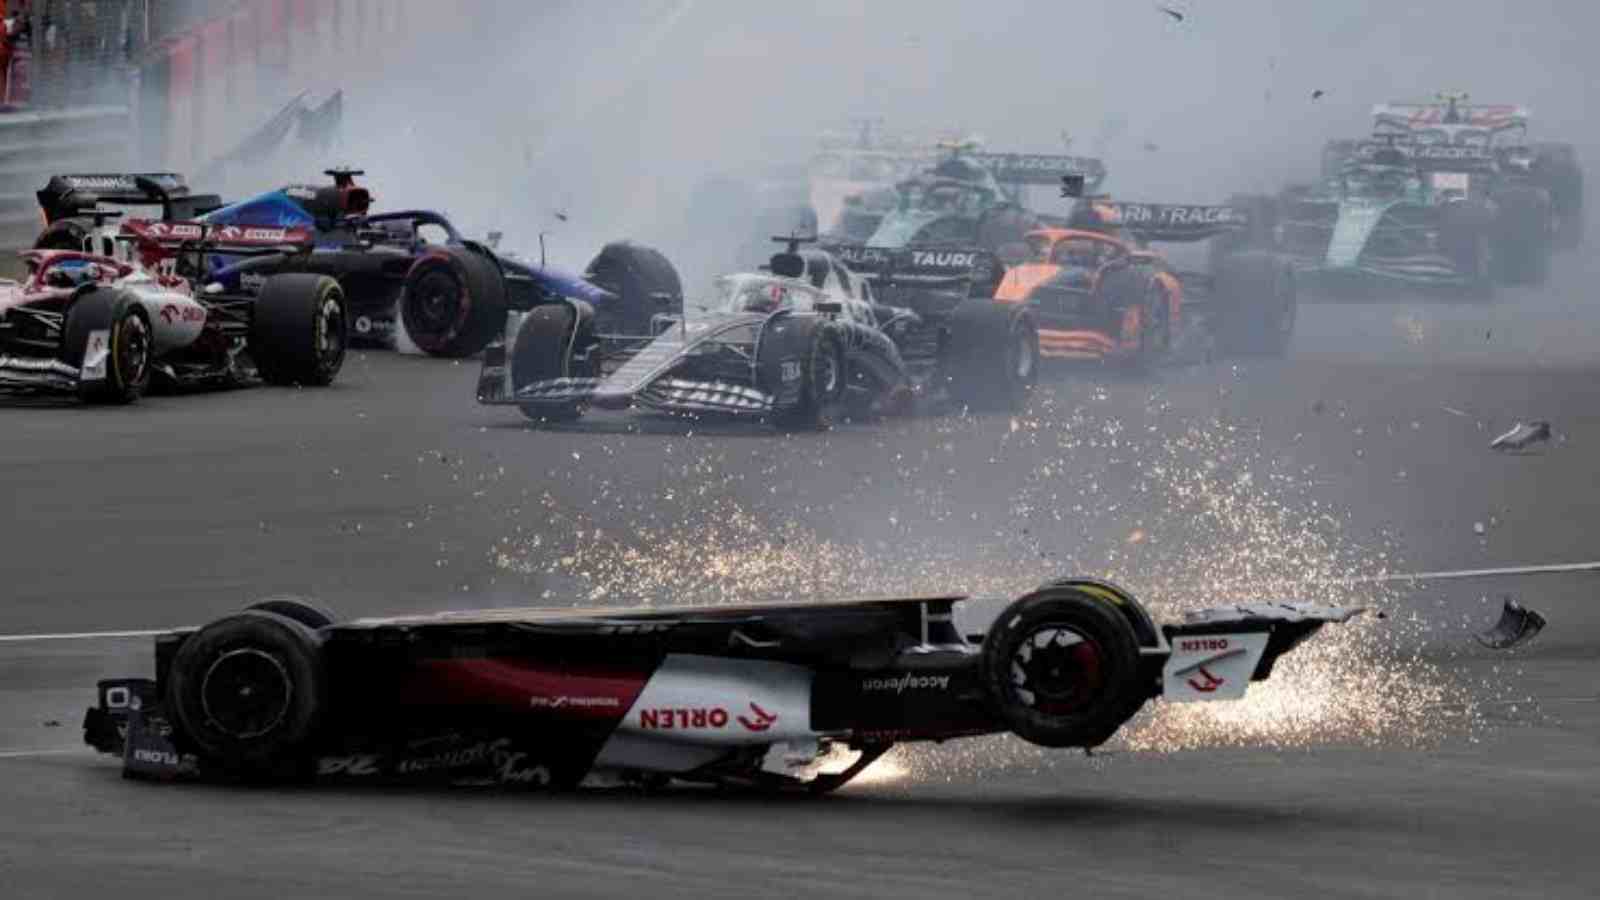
(248, 691)
(1256, 303)
(803, 359)
(299, 330)
(304, 610)
(1523, 235)
(453, 302)
(547, 350)
(990, 355)
(109, 340)
(1061, 668)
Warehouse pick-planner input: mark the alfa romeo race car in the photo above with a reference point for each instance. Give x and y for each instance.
(409, 267)
(104, 325)
(800, 345)
(1101, 293)
(786, 696)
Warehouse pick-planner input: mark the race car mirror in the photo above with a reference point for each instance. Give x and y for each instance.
(1072, 185)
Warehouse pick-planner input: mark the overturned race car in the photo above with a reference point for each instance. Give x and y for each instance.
(788, 697)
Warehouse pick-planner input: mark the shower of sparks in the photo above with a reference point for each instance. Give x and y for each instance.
(1185, 510)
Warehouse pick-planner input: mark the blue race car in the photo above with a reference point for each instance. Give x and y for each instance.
(408, 268)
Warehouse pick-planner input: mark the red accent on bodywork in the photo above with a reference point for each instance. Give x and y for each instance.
(526, 685)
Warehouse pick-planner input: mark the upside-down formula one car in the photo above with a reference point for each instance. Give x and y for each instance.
(105, 325)
(760, 696)
(799, 345)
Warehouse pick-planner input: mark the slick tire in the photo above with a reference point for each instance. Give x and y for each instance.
(820, 392)
(1061, 668)
(249, 692)
(989, 354)
(453, 302)
(547, 344)
(644, 282)
(1256, 304)
(299, 329)
(102, 318)
(64, 234)
(1522, 236)
(1139, 289)
(304, 610)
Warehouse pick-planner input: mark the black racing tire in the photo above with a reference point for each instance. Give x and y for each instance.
(1465, 235)
(249, 692)
(644, 281)
(1136, 286)
(304, 610)
(1256, 303)
(820, 393)
(299, 330)
(1061, 668)
(1557, 170)
(117, 317)
(1522, 235)
(1259, 232)
(453, 301)
(989, 355)
(546, 348)
(64, 234)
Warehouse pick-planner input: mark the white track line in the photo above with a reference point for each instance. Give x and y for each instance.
(83, 635)
(1445, 575)
(26, 754)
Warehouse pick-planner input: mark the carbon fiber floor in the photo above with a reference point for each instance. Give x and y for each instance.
(392, 493)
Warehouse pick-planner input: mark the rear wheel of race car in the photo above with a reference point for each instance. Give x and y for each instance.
(304, 610)
(644, 282)
(248, 691)
(990, 355)
(1522, 235)
(108, 331)
(1061, 668)
(820, 374)
(545, 351)
(453, 302)
(299, 330)
(1256, 304)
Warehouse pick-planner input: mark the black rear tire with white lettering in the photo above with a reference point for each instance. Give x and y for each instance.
(1256, 304)
(645, 282)
(248, 692)
(299, 329)
(989, 355)
(1061, 668)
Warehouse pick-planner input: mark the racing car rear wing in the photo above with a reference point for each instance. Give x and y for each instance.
(1041, 168)
(207, 238)
(64, 196)
(1171, 223)
(1411, 116)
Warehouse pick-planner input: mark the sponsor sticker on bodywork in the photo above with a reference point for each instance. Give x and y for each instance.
(1211, 666)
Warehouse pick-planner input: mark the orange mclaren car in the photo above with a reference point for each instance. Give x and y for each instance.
(1096, 296)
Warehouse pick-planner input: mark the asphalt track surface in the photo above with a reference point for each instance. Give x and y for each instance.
(1407, 762)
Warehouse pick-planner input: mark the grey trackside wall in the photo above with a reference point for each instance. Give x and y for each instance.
(35, 145)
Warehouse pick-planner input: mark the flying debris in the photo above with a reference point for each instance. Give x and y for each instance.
(1317, 94)
(1522, 436)
(1517, 624)
(1176, 15)
(561, 216)
(1150, 146)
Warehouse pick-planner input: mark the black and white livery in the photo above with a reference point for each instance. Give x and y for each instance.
(797, 696)
(800, 345)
